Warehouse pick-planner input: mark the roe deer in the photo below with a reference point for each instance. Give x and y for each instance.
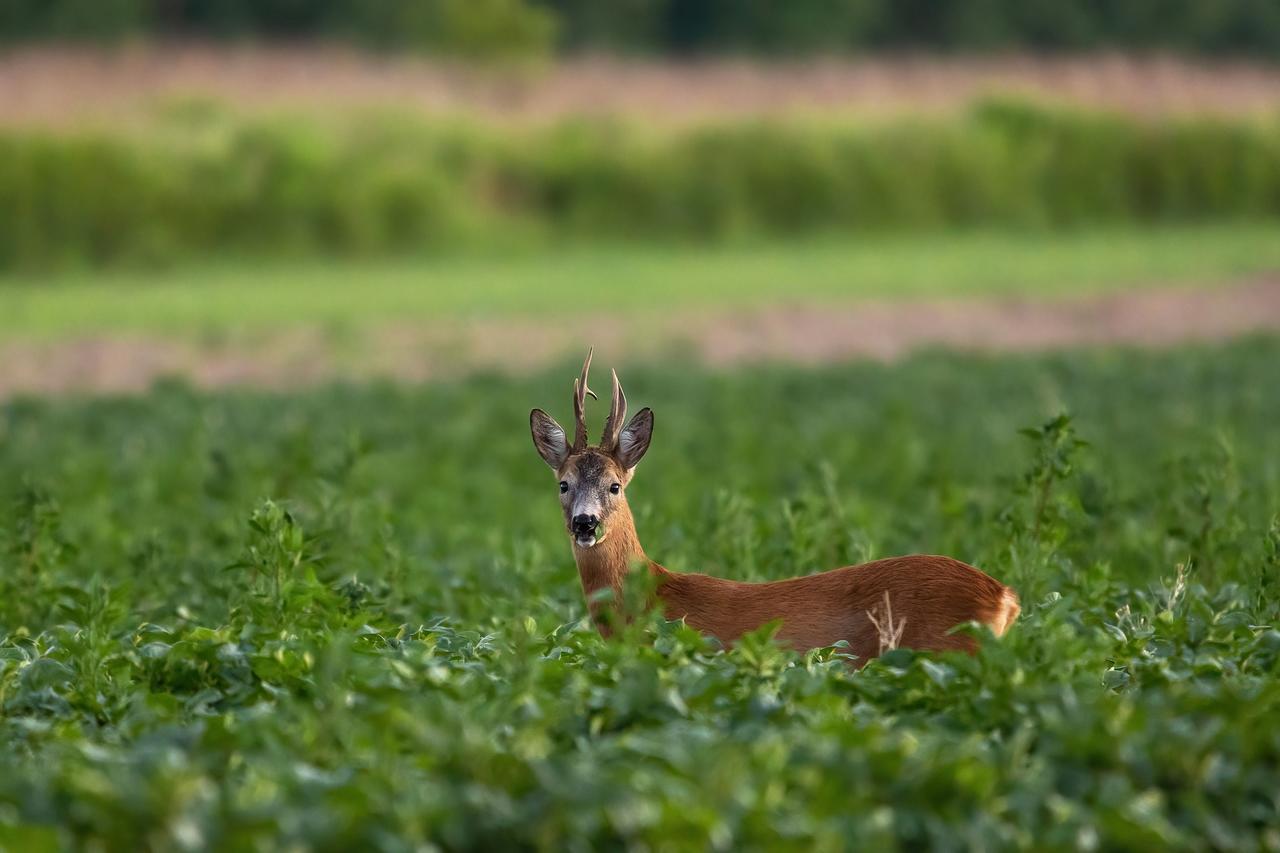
(930, 595)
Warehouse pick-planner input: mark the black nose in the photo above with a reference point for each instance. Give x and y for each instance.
(585, 523)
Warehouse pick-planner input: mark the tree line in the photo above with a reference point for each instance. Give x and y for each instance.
(675, 27)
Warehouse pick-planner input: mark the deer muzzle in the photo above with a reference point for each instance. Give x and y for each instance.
(585, 528)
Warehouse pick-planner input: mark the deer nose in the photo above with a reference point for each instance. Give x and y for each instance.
(584, 523)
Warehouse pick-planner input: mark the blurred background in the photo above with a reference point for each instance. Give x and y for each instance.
(280, 192)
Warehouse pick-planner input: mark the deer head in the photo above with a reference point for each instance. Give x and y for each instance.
(592, 478)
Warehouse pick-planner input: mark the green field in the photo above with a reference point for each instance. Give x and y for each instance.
(634, 280)
(349, 619)
(346, 616)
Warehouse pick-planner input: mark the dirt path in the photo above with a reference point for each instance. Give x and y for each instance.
(53, 86)
(804, 333)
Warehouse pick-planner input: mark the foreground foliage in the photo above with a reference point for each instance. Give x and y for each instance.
(347, 618)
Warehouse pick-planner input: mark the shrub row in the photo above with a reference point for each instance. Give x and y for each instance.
(391, 184)
(523, 27)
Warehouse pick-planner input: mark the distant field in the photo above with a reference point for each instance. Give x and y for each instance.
(634, 281)
(60, 85)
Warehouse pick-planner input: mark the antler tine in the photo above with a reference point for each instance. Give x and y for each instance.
(617, 415)
(580, 392)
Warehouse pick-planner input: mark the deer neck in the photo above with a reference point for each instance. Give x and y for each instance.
(605, 565)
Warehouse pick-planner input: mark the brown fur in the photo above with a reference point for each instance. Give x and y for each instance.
(912, 601)
(928, 596)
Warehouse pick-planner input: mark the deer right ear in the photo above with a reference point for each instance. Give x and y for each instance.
(548, 439)
(633, 441)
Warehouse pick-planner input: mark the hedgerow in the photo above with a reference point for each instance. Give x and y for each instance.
(204, 182)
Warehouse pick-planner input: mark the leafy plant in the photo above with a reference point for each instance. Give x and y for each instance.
(399, 657)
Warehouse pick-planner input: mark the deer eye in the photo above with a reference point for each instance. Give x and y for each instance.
(564, 487)
(615, 488)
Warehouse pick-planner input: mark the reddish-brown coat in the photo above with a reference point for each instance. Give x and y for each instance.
(928, 596)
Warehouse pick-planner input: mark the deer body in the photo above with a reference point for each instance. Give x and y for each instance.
(927, 597)
(911, 601)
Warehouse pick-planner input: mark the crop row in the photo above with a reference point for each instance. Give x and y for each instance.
(349, 618)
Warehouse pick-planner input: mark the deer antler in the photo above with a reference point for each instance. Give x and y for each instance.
(580, 392)
(617, 415)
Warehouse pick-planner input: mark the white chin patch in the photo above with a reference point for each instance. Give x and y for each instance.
(585, 541)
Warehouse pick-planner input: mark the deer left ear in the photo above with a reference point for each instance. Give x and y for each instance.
(548, 439)
(633, 441)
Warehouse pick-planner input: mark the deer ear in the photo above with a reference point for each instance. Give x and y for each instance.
(633, 441)
(548, 439)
